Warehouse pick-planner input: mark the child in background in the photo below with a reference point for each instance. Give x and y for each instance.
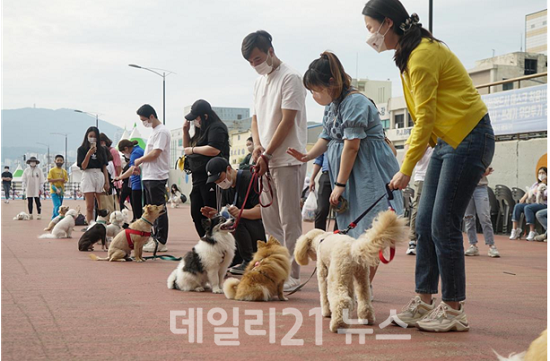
(57, 177)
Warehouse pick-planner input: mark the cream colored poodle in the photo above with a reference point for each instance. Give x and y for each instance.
(343, 266)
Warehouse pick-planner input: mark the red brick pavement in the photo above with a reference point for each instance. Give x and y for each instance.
(57, 304)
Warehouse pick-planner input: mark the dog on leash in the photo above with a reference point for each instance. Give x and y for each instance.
(64, 227)
(343, 266)
(265, 275)
(207, 263)
(97, 232)
(62, 212)
(134, 237)
(22, 216)
(116, 219)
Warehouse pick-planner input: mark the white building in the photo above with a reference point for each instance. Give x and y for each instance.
(378, 90)
(536, 32)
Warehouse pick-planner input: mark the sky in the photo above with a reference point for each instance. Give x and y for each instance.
(75, 54)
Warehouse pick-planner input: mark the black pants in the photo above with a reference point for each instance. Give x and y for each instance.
(323, 203)
(38, 204)
(155, 191)
(247, 234)
(201, 195)
(6, 189)
(125, 192)
(135, 200)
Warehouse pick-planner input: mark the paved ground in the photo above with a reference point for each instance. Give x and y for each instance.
(59, 305)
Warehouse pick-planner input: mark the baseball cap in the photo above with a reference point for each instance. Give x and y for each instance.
(215, 167)
(199, 107)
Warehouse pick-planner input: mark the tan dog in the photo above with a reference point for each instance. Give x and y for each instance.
(264, 276)
(120, 248)
(343, 266)
(62, 212)
(537, 351)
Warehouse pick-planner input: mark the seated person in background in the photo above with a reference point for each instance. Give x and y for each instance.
(247, 162)
(532, 202)
(542, 217)
(175, 196)
(234, 187)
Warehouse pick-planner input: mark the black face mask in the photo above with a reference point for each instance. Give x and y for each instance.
(59, 164)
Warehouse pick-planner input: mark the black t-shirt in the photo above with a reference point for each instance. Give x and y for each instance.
(7, 175)
(243, 181)
(95, 159)
(217, 137)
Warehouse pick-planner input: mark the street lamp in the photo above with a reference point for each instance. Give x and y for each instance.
(96, 116)
(163, 75)
(66, 160)
(430, 16)
(47, 145)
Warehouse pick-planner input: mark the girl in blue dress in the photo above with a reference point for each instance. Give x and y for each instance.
(361, 163)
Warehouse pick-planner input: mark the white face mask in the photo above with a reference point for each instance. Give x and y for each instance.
(376, 40)
(92, 140)
(226, 183)
(146, 124)
(33, 164)
(197, 123)
(264, 68)
(250, 148)
(322, 98)
(542, 177)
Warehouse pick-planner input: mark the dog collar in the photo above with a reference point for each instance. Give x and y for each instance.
(143, 219)
(101, 222)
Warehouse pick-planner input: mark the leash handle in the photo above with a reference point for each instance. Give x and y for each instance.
(260, 188)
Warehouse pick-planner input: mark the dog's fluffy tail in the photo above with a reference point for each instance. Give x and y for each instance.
(387, 230)
(47, 235)
(96, 258)
(230, 287)
(304, 245)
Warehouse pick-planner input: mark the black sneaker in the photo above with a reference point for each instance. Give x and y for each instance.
(238, 270)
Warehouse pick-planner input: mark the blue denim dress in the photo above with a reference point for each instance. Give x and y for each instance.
(356, 117)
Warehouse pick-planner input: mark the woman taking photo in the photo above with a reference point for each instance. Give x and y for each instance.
(132, 151)
(210, 140)
(448, 114)
(93, 162)
(361, 163)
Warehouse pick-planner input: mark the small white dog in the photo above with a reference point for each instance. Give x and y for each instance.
(207, 263)
(343, 266)
(22, 216)
(116, 219)
(64, 228)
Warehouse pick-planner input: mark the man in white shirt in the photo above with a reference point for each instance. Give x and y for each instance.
(155, 167)
(278, 122)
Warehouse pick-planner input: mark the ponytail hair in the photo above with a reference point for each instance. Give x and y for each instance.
(327, 72)
(125, 143)
(407, 28)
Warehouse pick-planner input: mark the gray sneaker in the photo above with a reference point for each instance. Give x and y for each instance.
(472, 251)
(493, 252)
(413, 312)
(444, 318)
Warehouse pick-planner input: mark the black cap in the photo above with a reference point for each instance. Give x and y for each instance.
(215, 167)
(33, 159)
(200, 107)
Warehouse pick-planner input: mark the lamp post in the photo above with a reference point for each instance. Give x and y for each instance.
(48, 157)
(96, 116)
(66, 160)
(430, 16)
(164, 74)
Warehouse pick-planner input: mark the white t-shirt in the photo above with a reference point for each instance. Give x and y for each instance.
(282, 89)
(160, 167)
(422, 165)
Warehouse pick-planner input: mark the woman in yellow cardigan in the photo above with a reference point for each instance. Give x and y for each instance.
(449, 115)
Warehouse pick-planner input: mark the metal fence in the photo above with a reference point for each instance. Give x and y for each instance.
(72, 191)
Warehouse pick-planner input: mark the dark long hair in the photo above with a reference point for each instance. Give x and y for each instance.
(86, 144)
(320, 72)
(545, 171)
(200, 133)
(409, 39)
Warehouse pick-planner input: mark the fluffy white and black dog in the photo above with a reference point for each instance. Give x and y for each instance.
(206, 264)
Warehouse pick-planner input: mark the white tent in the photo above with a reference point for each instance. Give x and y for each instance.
(125, 135)
(17, 174)
(75, 174)
(136, 135)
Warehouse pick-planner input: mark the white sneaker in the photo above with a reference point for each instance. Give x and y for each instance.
(291, 284)
(412, 248)
(150, 246)
(413, 312)
(444, 318)
(39, 217)
(472, 251)
(493, 252)
(515, 234)
(30, 217)
(531, 236)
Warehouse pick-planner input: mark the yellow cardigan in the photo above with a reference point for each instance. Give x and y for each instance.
(441, 98)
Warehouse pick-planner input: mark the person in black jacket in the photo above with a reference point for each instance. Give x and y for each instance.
(210, 139)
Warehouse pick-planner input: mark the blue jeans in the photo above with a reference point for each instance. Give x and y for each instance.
(479, 204)
(57, 202)
(542, 218)
(528, 209)
(451, 179)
